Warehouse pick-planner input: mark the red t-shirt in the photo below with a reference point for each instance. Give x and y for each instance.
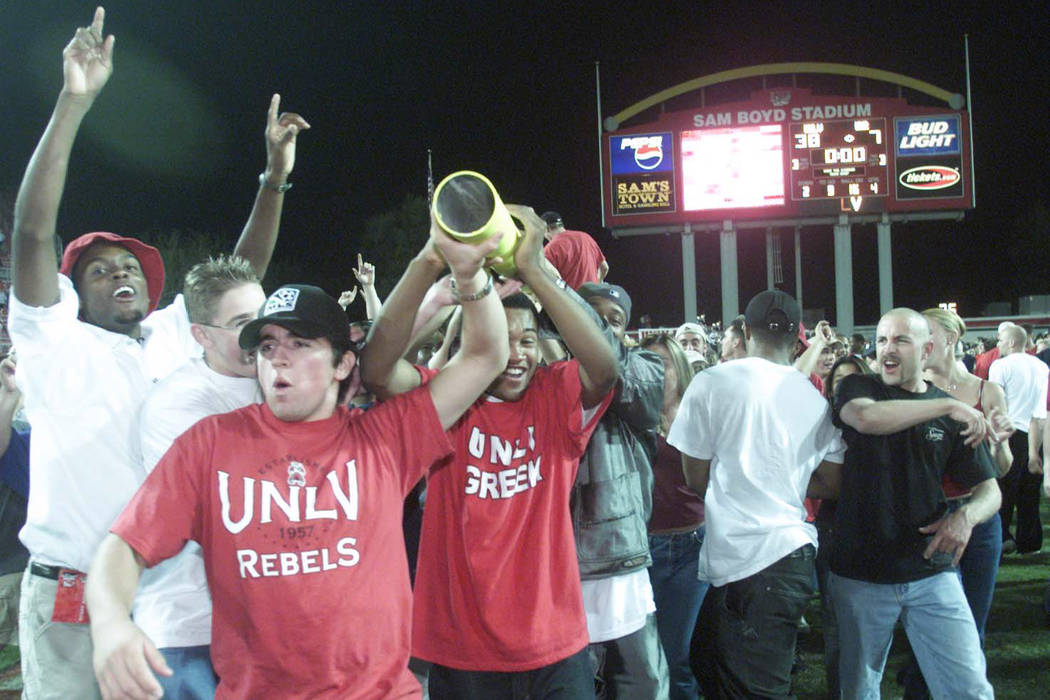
(576, 256)
(984, 361)
(497, 586)
(301, 529)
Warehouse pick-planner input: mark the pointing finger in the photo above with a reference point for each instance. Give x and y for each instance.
(271, 114)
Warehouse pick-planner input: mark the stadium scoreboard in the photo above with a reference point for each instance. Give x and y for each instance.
(787, 153)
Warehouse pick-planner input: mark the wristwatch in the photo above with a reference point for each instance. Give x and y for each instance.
(279, 189)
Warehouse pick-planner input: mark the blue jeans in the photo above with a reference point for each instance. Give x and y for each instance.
(678, 594)
(940, 629)
(978, 569)
(193, 677)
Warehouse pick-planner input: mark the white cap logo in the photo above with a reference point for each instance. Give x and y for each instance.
(282, 300)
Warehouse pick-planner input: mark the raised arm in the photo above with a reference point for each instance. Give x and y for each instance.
(806, 363)
(365, 272)
(87, 63)
(440, 358)
(598, 366)
(124, 658)
(885, 417)
(484, 348)
(259, 236)
(383, 370)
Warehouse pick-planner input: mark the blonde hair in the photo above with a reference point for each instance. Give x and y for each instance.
(948, 320)
(207, 281)
(679, 361)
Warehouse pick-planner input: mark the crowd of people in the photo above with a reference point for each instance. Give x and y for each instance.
(487, 490)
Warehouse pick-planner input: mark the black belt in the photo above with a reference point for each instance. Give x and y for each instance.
(44, 571)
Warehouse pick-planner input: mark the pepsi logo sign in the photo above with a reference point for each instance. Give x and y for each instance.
(648, 150)
(929, 177)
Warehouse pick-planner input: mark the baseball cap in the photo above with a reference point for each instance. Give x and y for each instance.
(552, 218)
(303, 309)
(613, 292)
(689, 328)
(775, 311)
(149, 259)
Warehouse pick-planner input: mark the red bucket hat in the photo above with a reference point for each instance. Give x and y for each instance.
(148, 257)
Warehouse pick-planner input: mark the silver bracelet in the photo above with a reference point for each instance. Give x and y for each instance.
(279, 189)
(481, 294)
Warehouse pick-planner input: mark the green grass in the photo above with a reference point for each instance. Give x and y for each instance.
(1017, 642)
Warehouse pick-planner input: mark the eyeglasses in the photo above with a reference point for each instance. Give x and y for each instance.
(236, 326)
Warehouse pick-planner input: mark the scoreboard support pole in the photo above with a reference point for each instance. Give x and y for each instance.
(798, 269)
(770, 261)
(730, 278)
(885, 265)
(689, 288)
(844, 277)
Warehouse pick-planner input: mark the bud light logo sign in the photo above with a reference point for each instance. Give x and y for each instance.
(640, 153)
(927, 136)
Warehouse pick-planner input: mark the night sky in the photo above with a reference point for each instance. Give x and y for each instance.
(508, 89)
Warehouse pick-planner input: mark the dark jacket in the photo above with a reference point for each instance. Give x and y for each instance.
(612, 498)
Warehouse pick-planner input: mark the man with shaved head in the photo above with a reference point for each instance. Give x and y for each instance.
(1024, 381)
(896, 544)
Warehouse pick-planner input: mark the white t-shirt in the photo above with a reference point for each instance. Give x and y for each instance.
(765, 429)
(173, 606)
(1023, 378)
(618, 605)
(83, 387)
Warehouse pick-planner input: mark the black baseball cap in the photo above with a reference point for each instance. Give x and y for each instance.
(774, 311)
(613, 292)
(551, 218)
(303, 309)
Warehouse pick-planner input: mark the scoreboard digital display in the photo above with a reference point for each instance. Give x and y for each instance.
(838, 158)
(732, 168)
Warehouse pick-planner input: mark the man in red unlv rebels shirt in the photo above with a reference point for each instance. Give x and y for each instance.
(297, 506)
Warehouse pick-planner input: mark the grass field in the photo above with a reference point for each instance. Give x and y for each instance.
(1017, 646)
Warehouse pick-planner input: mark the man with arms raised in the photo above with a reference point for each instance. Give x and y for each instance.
(895, 545)
(89, 350)
(498, 606)
(173, 606)
(297, 506)
(752, 433)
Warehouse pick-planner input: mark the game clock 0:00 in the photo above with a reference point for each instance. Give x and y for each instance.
(838, 158)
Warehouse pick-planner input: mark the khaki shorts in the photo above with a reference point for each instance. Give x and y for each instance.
(56, 656)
